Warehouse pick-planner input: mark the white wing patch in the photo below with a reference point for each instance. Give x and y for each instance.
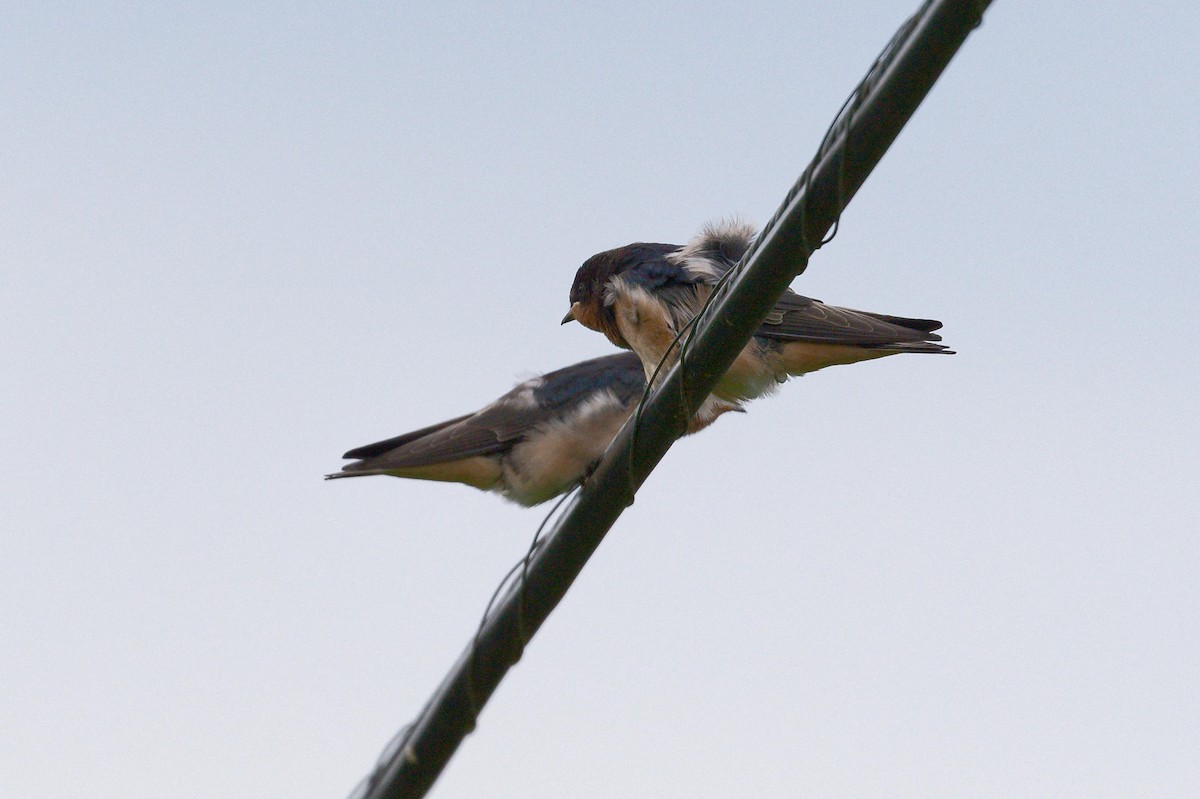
(522, 396)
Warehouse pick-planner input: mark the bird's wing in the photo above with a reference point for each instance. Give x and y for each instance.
(380, 447)
(563, 389)
(710, 255)
(797, 318)
(678, 287)
(501, 425)
(484, 433)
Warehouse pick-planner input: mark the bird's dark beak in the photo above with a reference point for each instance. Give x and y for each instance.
(570, 317)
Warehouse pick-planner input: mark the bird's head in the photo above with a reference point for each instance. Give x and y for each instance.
(588, 292)
(603, 278)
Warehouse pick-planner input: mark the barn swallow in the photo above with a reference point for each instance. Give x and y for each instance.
(642, 295)
(533, 443)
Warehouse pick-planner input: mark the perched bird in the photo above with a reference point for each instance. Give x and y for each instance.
(533, 443)
(642, 295)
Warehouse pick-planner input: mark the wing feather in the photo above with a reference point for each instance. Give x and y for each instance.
(495, 429)
(797, 318)
(380, 447)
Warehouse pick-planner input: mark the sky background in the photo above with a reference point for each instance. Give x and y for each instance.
(238, 239)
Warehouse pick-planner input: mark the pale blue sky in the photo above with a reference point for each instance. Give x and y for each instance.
(239, 240)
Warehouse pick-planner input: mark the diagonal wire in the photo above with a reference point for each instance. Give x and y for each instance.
(857, 139)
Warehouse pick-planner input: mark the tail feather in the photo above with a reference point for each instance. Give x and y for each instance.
(918, 347)
(349, 470)
(923, 325)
